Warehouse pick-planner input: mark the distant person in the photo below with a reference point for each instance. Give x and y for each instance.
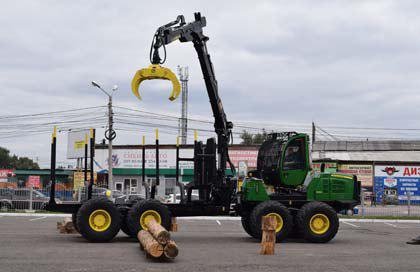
(415, 241)
(373, 200)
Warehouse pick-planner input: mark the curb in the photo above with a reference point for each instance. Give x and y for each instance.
(223, 218)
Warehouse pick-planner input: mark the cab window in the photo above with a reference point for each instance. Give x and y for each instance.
(294, 157)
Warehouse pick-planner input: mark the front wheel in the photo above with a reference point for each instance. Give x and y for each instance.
(318, 222)
(271, 208)
(98, 220)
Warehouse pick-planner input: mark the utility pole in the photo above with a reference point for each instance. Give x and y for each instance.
(183, 124)
(313, 135)
(313, 132)
(110, 132)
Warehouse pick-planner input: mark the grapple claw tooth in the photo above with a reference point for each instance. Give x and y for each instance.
(155, 71)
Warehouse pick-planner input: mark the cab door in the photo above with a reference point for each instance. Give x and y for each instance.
(295, 161)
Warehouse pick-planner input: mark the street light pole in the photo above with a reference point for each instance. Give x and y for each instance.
(110, 133)
(110, 127)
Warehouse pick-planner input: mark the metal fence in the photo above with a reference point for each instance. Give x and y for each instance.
(369, 207)
(29, 199)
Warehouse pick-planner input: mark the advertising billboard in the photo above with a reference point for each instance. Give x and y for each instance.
(397, 181)
(76, 144)
(132, 158)
(364, 172)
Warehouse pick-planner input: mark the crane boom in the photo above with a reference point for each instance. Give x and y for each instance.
(193, 32)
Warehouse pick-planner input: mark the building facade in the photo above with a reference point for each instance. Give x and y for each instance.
(389, 170)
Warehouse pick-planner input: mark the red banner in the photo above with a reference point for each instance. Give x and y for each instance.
(5, 173)
(34, 182)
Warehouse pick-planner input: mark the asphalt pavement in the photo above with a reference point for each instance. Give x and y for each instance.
(34, 244)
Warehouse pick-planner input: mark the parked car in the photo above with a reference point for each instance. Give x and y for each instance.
(20, 199)
(96, 192)
(170, 198)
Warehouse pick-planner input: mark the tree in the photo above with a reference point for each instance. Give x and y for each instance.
(249, 139)
(15, 162)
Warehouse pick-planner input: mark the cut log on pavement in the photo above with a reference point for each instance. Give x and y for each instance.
(268, 241)
(159, 233)
(66, 226)
(170, 250)
(149, 244)
(174, 225)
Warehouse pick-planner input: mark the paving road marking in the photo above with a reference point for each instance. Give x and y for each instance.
(38, 218)
(350, 224)
(218, 222)
(395, 226)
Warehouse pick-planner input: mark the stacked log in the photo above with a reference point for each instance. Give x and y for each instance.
(156, 241)
(268, 241)
(66, 226)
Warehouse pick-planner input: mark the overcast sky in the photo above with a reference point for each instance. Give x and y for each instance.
(338, 63)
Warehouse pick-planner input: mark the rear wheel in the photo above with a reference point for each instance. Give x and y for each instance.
(271, 208)
(98, 220)
(146, 210)
(318, 222)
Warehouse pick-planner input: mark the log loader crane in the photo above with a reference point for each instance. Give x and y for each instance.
(303, 203)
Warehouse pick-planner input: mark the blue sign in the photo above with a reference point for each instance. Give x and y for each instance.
(398, 183)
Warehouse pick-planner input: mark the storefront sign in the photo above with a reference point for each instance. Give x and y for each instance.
(364, 172)
(34, 182)
(132, 158)
(5, 173)
(404, 179)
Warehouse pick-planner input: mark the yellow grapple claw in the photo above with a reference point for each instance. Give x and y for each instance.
(155, 71)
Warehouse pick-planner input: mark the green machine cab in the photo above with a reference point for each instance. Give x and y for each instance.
(284, 184)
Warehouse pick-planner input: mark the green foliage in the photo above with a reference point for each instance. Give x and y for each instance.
(249, 139)
(15, 162)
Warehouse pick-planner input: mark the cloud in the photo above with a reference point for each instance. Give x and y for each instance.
(335, 62)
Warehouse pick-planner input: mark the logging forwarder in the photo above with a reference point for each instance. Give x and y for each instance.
(303, 203)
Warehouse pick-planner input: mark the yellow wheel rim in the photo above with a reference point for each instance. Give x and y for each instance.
(279, 220)
(147, 216)
(99, 220)
(319, 223)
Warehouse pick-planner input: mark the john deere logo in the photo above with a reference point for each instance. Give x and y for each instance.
(390, 170)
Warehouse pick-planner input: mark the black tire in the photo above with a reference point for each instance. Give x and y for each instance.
(246, 224)
(308, 212)
(125, 229)
(295, 232)
(268, 207)
(124, 224)
(94, 205)
(74, 221)
(5, 206)
(134, 214)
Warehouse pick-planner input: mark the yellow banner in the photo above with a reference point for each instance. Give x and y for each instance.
(79, 178)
